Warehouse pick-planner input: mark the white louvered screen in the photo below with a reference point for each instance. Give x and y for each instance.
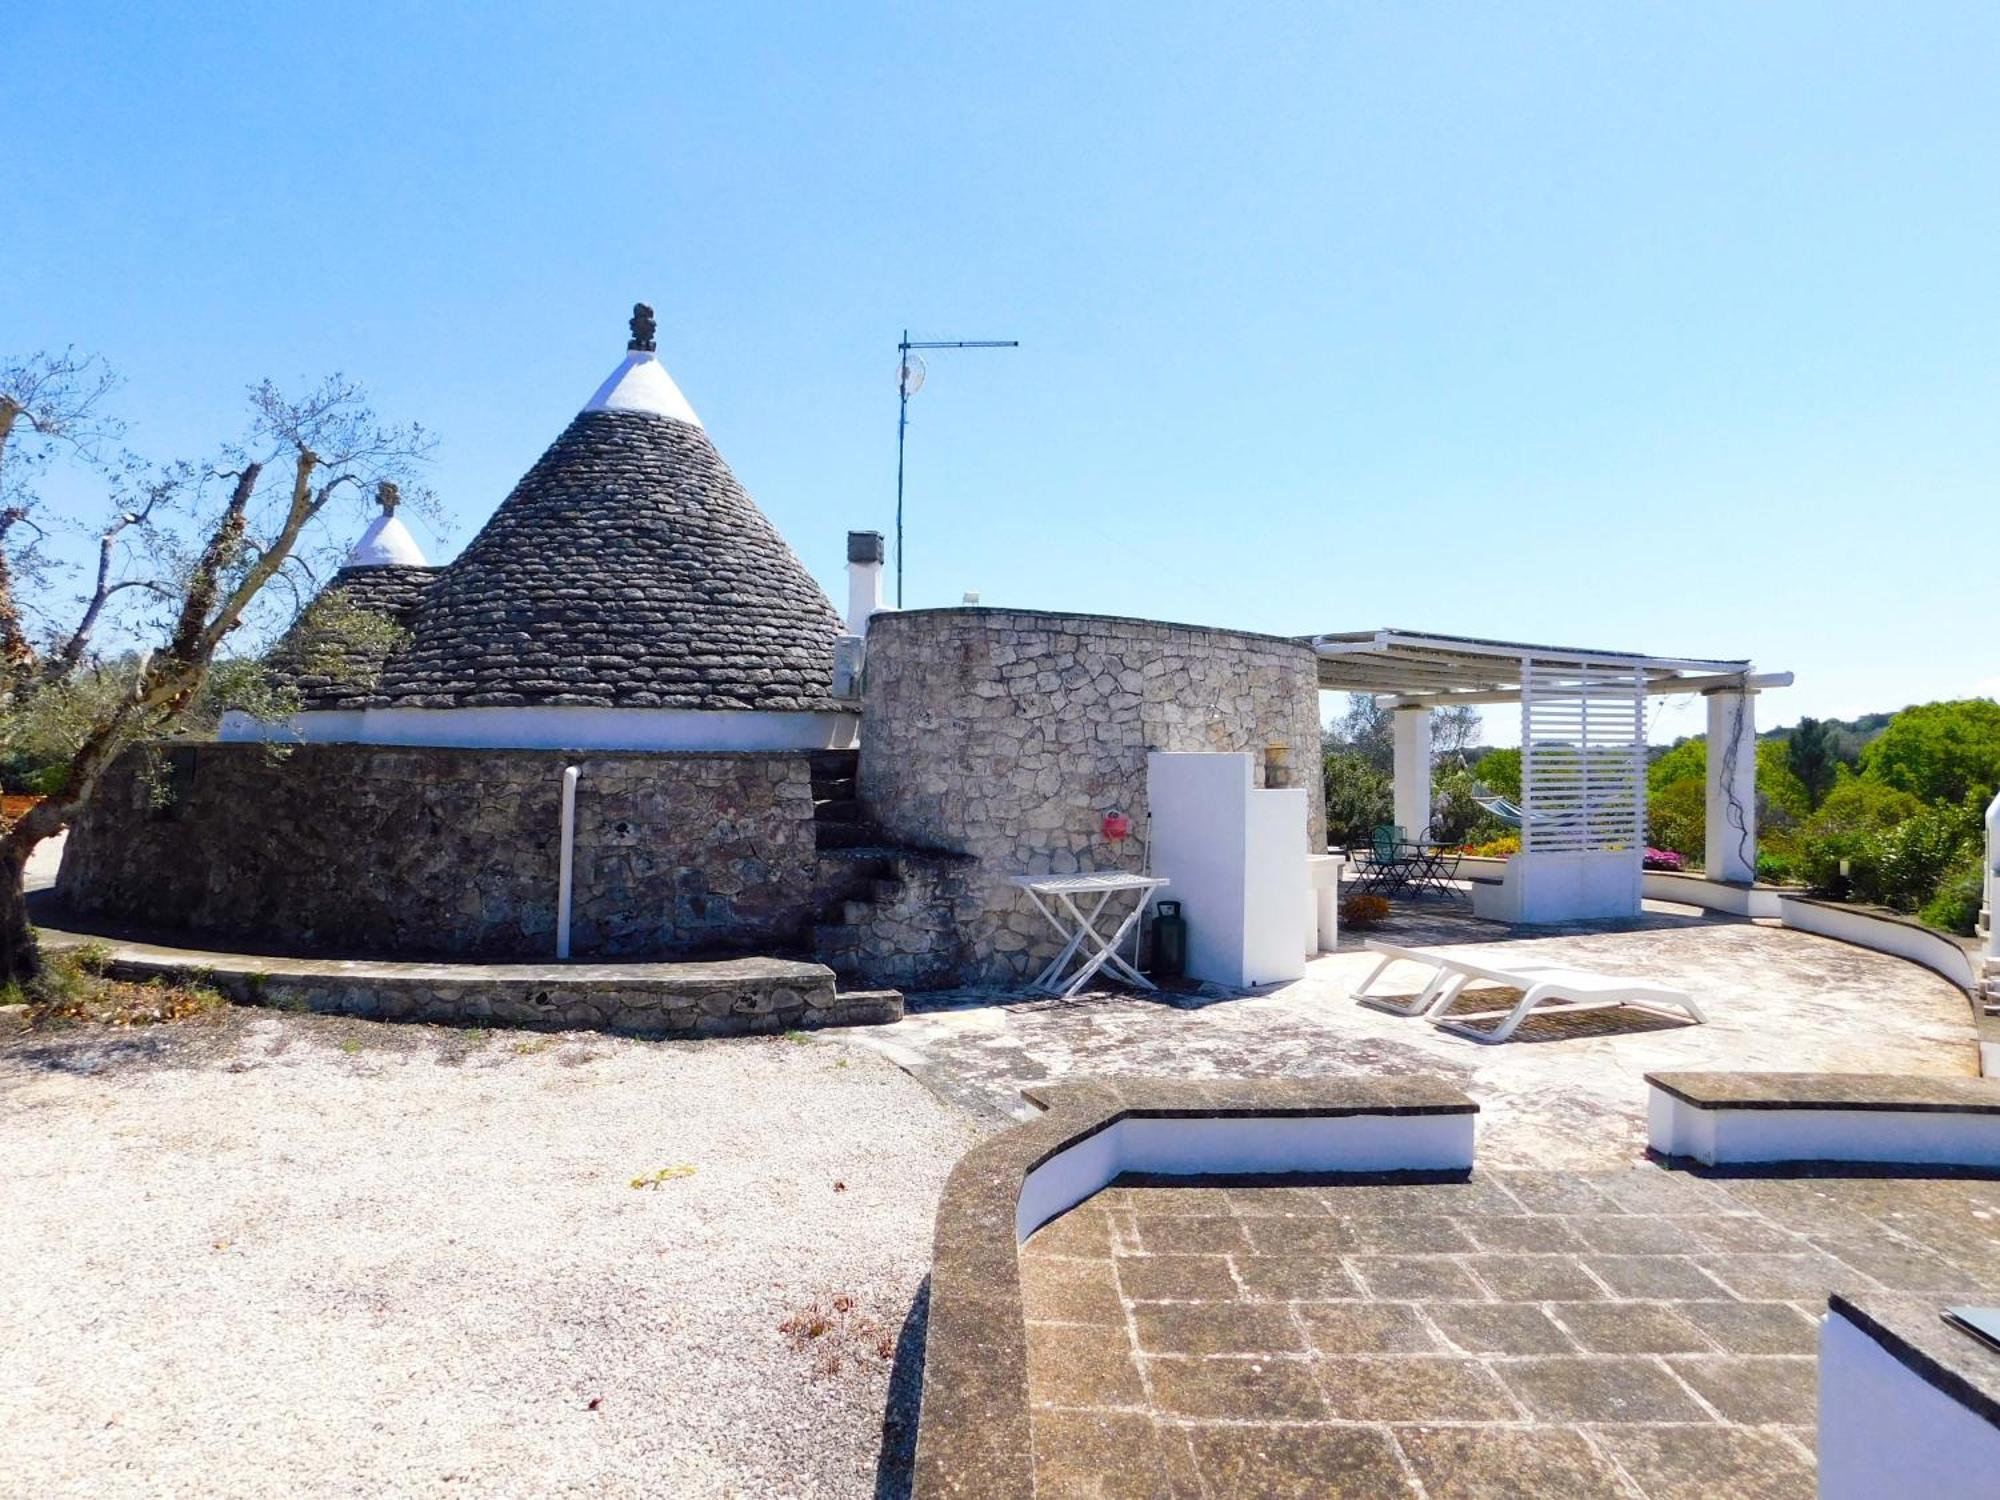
(1583, 759)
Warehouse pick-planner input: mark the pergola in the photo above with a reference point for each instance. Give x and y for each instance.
(1583, 752)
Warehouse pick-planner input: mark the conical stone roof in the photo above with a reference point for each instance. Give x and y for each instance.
(328, 664)
(627, 569)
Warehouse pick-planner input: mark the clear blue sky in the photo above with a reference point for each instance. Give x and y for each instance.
(1670, 328)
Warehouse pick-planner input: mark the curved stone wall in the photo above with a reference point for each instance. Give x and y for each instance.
(364, 849)
(1008, 734)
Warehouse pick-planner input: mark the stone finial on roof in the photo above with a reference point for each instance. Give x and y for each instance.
(387, 542)
(641, 382)
(643, 328)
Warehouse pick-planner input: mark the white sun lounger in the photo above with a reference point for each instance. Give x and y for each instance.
(1545, 989)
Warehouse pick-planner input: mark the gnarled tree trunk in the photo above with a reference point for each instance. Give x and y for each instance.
(20, 956)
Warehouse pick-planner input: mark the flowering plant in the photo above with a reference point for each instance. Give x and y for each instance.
(1664, 859)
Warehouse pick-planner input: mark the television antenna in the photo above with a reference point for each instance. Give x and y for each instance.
(910, 374)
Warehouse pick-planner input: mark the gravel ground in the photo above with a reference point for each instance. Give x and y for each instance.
(274, 1254)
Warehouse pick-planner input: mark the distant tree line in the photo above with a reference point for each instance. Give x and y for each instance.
(1889, 809)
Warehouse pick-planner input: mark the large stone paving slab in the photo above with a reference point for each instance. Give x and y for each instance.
(1629, 1332)
(1560, 1094)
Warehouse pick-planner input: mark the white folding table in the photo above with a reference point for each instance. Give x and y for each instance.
(1074, 904)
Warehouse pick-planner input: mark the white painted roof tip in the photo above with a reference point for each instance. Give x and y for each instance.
(642, 383)
(386, 543)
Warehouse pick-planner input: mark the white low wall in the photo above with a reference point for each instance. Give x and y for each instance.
(1186, 1147)
(1541, 887)
(1724, 1136)
(1886, 1431)
(1934, 950)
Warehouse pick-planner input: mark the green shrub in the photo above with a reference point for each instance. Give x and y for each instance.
(1359, 798)
(1911, 859)
(1898, 851)
(1854, 813)
(47, 781)
(1499, 771)
(1775, 867)
(1939, 752)
(1686, 761)
(1955, 907)
(1677, 796)
(1456, 817)
(1677, 817)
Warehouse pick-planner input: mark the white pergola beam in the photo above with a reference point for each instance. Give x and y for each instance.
(1442, 671)
(1655, 687)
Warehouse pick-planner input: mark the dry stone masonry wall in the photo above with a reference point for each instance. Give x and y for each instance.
(1008, 735)
(380, 850)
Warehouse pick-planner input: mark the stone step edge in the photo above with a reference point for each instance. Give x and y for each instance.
(692, 998)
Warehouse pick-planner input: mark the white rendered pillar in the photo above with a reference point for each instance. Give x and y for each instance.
(1993, 883)
(864, 579)
(1413, 770)
(1732, 787)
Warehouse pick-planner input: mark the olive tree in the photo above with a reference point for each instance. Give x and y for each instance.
(219, 536)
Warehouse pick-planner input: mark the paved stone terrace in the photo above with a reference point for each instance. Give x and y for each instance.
(1560, 1094)
(1634, 1332)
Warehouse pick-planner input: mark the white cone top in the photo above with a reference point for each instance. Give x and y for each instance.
(643, 384)
(386, 543)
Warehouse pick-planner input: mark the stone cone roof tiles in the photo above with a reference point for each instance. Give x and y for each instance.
(627, 569)
(331, 668)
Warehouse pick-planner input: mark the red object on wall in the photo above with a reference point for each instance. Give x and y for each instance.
(1117, 826)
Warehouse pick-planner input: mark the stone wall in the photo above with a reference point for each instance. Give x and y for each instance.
(891, 917)
(378, 850)
(1008, 735)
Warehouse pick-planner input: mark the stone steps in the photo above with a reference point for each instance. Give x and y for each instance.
(838, 822)
(832, 836)
(891, 913)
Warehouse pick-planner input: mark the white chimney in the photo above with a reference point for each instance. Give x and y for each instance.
(864, 578)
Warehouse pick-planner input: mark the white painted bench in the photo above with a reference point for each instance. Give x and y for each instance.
(1544, 990)
(1726, 1119)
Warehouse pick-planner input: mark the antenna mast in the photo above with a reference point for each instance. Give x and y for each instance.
(910, 373)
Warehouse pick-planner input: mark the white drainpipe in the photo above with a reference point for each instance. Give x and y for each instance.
(570, 774)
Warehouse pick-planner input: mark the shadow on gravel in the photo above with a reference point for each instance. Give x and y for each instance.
(895, 1470)
(85, 1053)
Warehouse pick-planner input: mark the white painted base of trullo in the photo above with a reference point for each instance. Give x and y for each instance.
(554, 728)
(1885, 1430)
(1723, 1137)
(1255, 1143)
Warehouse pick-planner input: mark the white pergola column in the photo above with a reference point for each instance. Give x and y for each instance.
(1732, 787)
(1992, 912)
(1413, 770)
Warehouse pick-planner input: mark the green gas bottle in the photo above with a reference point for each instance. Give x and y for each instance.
(1169, 941)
